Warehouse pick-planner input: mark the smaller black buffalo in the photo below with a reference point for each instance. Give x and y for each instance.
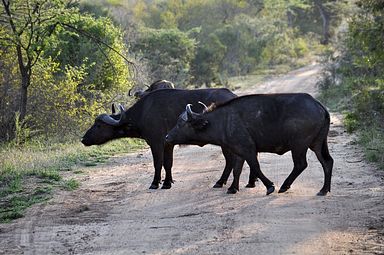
(160, 84)
(274, 123)
(151, 118)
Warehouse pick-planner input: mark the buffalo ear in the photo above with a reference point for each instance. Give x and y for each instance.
(199, 123)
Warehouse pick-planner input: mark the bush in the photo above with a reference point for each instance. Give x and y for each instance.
(354, 80)
(169, 53)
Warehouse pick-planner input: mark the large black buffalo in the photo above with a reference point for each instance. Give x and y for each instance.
(274, 123)
(160, 84)
(150, 118)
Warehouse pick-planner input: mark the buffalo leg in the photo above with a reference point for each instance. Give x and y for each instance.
(157, 154)
(236, 178)
(251, 181)
(255, 171)
(229, 164)
(237, 169)
(236, 163)
(168, 162)
(322, 154)
(299, 164)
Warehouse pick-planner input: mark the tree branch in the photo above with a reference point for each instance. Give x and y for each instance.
(97, 40)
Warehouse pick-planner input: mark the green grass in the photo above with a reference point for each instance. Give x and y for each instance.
(372, 141)
(31, 173)
(15, 206)
(71, 184)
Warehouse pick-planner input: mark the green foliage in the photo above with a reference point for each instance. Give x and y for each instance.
(22, 133)
(234, 38)
(57, 102)
(169, 52)
(372, 140)
(69, 68)
(76, 48)
(351, 122)
(206, 64)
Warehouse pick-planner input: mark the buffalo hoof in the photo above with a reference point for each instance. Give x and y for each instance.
(166, 185)
(232, 190)
(322, 193)
(270, 190)
(218, 185)
(154, 186)
(283, 189)
(250, 185)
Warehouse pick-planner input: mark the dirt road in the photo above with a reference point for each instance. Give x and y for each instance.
(114, 212)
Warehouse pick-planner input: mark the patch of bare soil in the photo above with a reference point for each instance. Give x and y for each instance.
(114, 212)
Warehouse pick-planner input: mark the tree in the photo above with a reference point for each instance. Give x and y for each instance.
(84, 56)
(206, 64)
(169, 52)
(28, 25)
(325, 16)
(80, 45)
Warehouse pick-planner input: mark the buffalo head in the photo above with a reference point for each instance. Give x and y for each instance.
(160, 84)
(106, 128)
(189, 128)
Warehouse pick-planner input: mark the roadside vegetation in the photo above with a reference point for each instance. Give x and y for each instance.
(64, 62)
(32, 172)
(353, 79)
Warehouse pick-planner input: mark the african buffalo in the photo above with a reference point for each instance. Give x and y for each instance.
(274, 123)
(160, 84)
(150, 118)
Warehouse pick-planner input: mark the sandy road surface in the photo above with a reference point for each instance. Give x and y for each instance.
(113, 212)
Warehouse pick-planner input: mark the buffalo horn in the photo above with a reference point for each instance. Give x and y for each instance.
(109, 120)
(129, 92)
(121, 107)
(205, 107)
(122, 114)
(189, 111)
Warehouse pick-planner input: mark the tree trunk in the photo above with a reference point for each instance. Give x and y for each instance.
(25, 72)
(25, 69)
(325, 17)
(289, 18)
(25, 80)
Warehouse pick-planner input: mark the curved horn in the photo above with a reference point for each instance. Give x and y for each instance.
(129, 92)
(205, 107)
(108, 120)
(188, 109)
(122, 114)
(121, 107)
